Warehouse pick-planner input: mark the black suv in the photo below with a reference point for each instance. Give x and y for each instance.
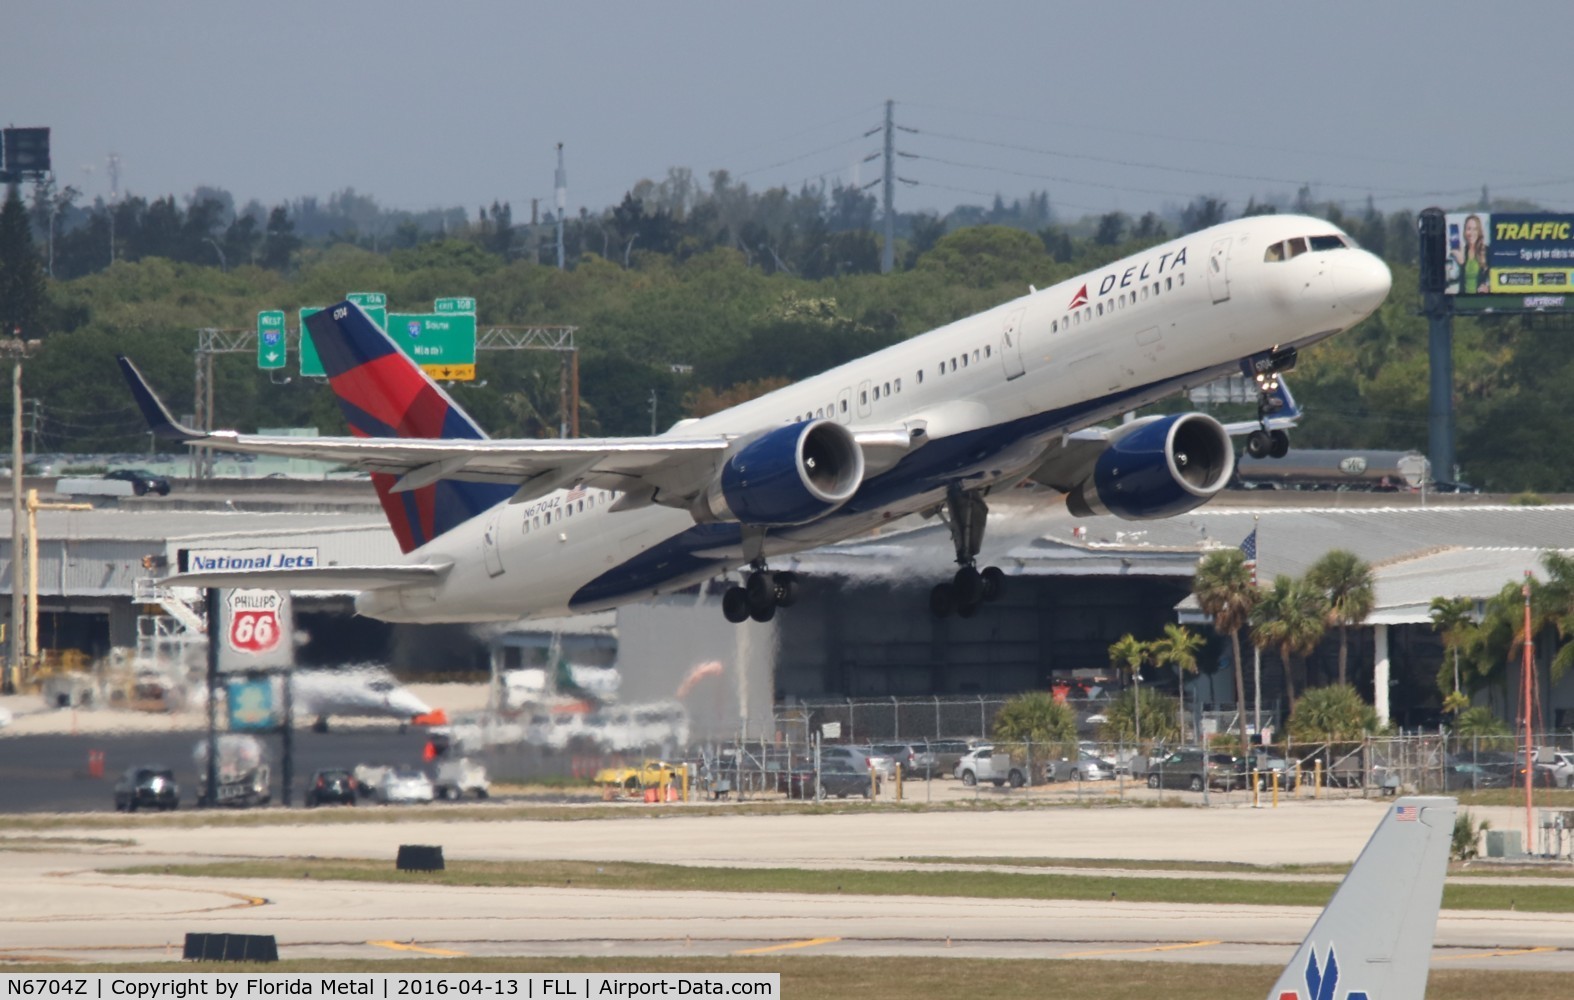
(147, 785)
(142, 481)
(334, 784)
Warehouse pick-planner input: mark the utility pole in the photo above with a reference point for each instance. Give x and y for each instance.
(14, 633)
(888, 252)
(561, 184)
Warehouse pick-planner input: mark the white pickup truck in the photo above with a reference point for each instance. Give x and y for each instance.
(984, 764)
(456, 778)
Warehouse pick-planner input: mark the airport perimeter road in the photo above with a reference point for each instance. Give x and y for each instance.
(58, 907)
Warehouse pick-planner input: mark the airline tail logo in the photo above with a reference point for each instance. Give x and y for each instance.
(1321, 983)
(1079, 299)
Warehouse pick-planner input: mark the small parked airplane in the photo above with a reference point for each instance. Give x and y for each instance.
(1374, 939)
(505, 529)
(357, 692)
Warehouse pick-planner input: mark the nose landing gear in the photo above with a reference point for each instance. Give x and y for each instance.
(971, 587)
(1265, 371)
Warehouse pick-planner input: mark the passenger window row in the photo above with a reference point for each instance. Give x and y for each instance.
(1108, 306)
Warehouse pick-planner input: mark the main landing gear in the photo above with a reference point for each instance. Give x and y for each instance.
(761, 594)
(971, 587)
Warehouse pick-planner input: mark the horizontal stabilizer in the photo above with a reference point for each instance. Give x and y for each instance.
(337, 578)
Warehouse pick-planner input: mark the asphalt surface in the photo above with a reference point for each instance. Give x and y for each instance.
(63, 901)
(47, 772)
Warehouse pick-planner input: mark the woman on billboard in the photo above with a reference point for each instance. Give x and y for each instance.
(1471, 258)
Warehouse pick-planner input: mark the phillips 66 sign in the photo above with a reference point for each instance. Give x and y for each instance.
(256, 620)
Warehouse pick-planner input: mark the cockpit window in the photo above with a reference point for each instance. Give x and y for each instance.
(1286, 249)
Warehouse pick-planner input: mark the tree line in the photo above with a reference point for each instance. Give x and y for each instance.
(695, 294)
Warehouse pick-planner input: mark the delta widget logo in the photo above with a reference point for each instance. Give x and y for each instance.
(1321, 984)
(1079, 299)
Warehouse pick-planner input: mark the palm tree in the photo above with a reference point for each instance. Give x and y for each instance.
(1292, 617)
(1346, 581)
(1332, 714)
(1128, 653)
(1225, 590)
(1178, 649)
(1455, 619)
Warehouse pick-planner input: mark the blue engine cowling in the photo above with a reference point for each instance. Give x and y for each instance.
(1158, 468)
(790, 475)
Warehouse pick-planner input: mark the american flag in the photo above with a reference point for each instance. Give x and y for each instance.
(1249, 546)
(1406, 814)
(577, 493)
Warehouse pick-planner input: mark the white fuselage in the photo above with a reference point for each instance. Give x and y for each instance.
(992, 392)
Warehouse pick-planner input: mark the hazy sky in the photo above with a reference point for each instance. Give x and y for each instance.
(1105, 105)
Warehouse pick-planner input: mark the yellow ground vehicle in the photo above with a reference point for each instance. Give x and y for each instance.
(648, 774)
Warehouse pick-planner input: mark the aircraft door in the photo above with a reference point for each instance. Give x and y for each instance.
(1011, 344)
(490, 540)
(1219, 270)
(844, 406)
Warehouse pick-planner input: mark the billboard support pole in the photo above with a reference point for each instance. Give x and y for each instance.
(1440, 411)
(211, 596)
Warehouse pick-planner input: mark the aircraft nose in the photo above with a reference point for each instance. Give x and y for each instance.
(1362, 281)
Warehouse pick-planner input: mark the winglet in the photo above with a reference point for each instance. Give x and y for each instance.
(160, 422)
(1374, 939)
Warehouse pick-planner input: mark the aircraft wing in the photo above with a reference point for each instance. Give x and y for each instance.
(669, 469)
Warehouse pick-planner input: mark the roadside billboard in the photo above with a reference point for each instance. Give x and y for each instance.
(1508, 259)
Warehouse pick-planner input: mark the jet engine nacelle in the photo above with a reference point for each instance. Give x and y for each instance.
(790, 475)
(1157, 468)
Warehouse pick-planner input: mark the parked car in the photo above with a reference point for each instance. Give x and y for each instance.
(904, 757)
(331, 784)
(147, 786)
(1191, 768)
(859, 757)
(937, 758)
(837, 777)
(142, 481)
(405, 784)
(648, 774)
(1480, 770)
(985, 764)
(1083, 767)
(1559, 764)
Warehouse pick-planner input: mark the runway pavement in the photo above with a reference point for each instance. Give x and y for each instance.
(56, 905)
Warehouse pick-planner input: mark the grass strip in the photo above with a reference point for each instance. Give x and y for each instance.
(639, 876)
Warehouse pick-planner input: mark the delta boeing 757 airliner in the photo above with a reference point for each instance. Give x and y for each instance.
(505, 529)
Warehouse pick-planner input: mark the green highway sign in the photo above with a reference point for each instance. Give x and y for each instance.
(443, 344)
(374, 304)
(270, 339)
(455, 305)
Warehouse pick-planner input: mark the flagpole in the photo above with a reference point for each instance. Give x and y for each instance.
(1256, 649)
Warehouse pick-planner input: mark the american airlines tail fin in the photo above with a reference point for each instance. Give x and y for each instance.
(384, 394)
(1374, 939)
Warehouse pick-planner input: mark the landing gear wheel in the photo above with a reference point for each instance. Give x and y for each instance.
(994, 579)
(764, 614)
(761, 589)
(967, 610)
(735, 605)
(942, 600)
(786, 589)
(1258, 444)
(969, 586)
(1278, 444)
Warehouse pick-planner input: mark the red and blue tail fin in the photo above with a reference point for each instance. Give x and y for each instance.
(385, 394)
